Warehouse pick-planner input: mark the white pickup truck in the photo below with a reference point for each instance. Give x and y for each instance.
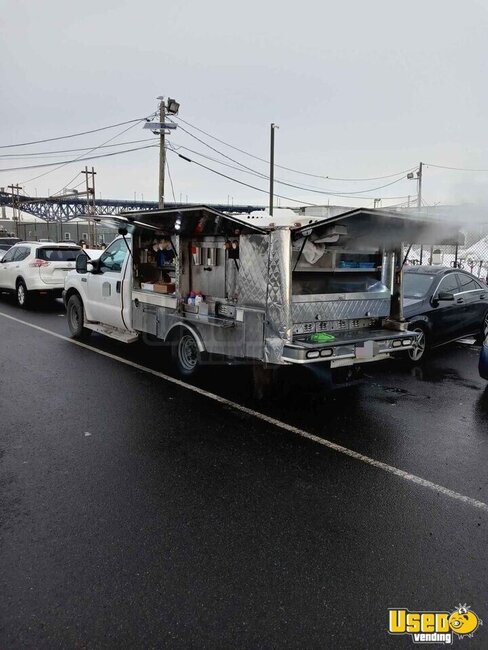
(210, 284)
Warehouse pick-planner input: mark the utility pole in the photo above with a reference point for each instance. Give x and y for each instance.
(166, 107)
(271, 169)
(15, 205)
(90, 202)
(4, 212)
(162, 152)
(419, 205)
(419, 192)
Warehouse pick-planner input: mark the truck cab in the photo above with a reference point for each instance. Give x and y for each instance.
(97, 295)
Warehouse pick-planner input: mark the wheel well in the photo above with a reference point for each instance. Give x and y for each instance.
(420, 324)
(72, 292)
(177, 329)
(19, 280)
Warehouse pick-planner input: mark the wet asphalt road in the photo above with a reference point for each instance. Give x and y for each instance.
(137, 514)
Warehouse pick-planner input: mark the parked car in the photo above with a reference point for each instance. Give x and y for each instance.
(32, 268)
(8, 242)
(443, 305)
(483, 366)
(93, 253)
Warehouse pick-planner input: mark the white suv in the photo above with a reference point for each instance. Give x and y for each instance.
(34, 268)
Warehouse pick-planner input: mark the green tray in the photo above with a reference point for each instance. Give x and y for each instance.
(321, 337)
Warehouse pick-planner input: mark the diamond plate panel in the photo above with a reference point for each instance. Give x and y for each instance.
(253, 270)
(278, 312)
(306, 312)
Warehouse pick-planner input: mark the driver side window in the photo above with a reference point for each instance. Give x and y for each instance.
(9, 255)
(449, 284)
(113, 258)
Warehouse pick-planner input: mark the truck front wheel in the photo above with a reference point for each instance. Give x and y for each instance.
(76, 316)
(185, 355)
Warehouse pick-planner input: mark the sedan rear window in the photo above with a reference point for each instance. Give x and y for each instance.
(416, 285)
(58, 254)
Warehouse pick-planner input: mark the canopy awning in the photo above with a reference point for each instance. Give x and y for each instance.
(385, 229)
(189, 222)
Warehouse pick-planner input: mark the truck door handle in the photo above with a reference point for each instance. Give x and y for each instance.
(118, 286)
(482, 296)
(460, 300)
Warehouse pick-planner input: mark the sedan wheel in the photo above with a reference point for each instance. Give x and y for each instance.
(485, 326)
(419, 346)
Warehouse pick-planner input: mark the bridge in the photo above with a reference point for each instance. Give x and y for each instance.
(64, 209)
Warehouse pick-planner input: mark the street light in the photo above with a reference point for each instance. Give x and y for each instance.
(172, 106)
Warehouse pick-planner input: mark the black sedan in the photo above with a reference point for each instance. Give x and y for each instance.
(484, 359)
(443, 305)
(8, 242)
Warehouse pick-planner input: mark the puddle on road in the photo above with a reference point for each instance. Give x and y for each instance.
(434, 375)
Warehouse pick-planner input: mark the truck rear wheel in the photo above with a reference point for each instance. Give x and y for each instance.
(185, 355)
(76, 317)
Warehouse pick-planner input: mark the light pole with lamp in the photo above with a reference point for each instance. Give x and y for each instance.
(170, 107)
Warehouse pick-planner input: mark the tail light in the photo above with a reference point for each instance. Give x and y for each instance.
(38, 263)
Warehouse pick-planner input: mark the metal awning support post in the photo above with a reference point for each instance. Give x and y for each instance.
(397, 296)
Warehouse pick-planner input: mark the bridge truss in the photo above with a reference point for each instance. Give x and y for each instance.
(64, 209)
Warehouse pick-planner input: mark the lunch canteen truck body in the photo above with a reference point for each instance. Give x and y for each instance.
(271, 291)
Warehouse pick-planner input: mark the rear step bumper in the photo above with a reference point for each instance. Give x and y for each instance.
(349, 348)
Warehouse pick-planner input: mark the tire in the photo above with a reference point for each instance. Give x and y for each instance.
(417, 354)
(185, 355)
(22, 295)
(481, 338)
(76, 316)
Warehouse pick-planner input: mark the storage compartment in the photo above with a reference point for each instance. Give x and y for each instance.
(154, 263)
(342, 281)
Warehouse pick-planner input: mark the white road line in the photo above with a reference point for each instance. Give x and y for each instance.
(480, 505)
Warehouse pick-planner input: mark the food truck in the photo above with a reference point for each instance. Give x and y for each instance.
(251, 288)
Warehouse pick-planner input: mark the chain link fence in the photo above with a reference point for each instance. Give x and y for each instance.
(472, 256)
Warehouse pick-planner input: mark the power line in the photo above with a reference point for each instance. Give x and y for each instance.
(43, 154)
(67, 162)
(457, 169)
(81, 156)
(68, 184)
(296, 171)
(253, 187)
(337, 193)
(73, 135)
(170, 178)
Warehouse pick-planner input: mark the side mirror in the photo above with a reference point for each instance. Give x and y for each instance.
(82, 263)
(445, 295)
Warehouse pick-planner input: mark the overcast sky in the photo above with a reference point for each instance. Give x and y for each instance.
(358, 89)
